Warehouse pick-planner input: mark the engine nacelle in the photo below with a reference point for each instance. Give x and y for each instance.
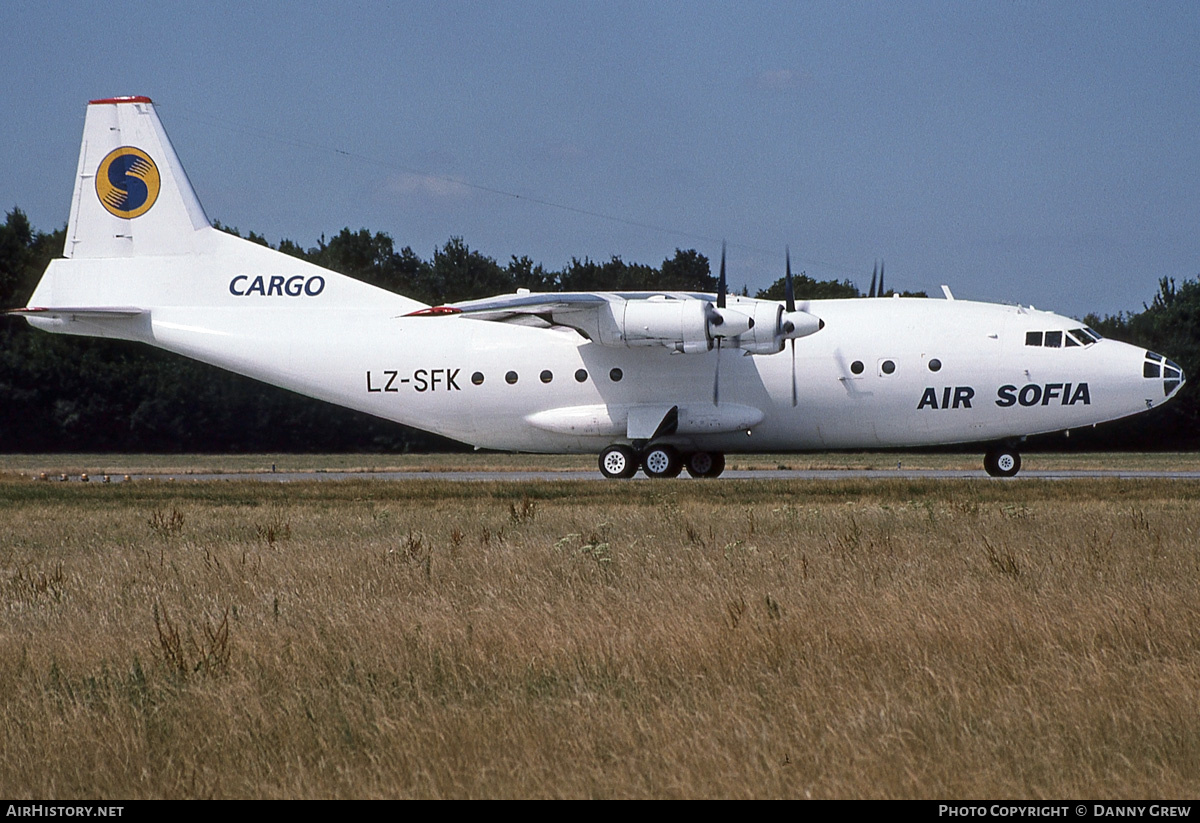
(764, 337)
(773, 327)
(692, 326)
(681, 325)
(728, 323)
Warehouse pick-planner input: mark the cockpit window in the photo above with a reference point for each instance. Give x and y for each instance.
(1057, 339)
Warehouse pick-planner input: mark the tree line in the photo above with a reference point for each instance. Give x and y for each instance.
(60, 393)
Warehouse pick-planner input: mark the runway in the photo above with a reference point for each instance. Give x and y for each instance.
(583, 475)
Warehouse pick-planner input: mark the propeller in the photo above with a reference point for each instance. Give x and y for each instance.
(789, 302)
(724, 322)
(789, 292)
(794, 322)
(721, 281)
(717, 320)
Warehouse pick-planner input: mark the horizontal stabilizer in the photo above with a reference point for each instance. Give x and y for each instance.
(90, 312)
(120, 322)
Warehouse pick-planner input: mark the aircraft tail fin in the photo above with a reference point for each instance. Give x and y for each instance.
(132, 196)
(139, 238)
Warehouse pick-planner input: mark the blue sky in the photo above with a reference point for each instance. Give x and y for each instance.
(1040, 153)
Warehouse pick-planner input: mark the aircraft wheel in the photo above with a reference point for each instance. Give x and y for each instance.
(1002, 462)
(661, 461)
(705, 464)
(618, 461)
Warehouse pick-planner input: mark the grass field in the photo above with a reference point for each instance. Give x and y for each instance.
(856, 638)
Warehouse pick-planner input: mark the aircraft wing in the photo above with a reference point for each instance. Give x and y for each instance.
(684, 322)
(680, 321)
(508, 306)
(505, 305)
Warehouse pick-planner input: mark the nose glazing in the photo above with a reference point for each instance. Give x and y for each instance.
(1156, 366)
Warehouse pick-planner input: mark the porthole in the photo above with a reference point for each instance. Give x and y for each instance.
(581, 375)
(856, 367)
(935, 365)
(546, 376)
(615, 375)
(510, 378)
(477, 378)
(887, 367)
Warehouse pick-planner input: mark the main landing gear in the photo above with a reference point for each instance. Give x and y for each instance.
(662, 460)
(1002, 461)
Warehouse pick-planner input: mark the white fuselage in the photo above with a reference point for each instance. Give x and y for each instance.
(990, 385)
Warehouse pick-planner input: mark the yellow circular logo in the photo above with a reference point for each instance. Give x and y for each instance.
(127, 182)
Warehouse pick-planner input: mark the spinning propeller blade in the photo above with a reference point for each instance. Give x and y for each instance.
(789, 291)
(790, 306)
(718, 321)
(717, 377)
(721, 280)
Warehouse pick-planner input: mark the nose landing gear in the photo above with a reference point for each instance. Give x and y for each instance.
(1002, 461)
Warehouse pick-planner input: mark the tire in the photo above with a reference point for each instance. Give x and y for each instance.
(705, 464)
(1002, 462)
(618, 462)
(661, 461)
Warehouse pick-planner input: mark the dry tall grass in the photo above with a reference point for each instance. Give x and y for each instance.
(646, 639)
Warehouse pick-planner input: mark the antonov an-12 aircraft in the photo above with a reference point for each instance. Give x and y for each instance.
(654, 381)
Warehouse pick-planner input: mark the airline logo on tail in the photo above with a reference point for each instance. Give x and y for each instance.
(127, 182)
